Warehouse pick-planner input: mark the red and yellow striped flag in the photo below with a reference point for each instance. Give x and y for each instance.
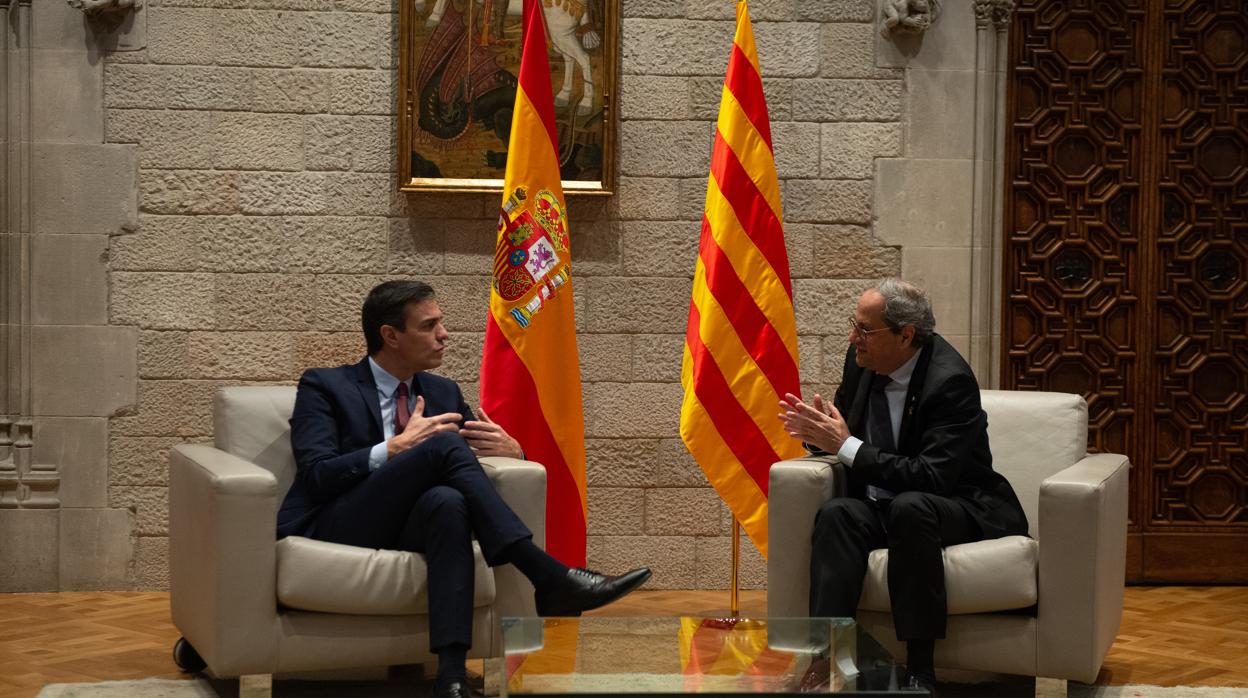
(741, 344)
(530, 375)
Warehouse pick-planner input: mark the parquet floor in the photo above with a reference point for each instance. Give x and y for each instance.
(1170, 636)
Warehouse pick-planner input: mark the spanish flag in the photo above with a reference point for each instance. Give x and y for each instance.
(530, 375)
(740, 353)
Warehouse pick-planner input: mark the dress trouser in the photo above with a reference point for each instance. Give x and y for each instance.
(431, 499)
(914, 526)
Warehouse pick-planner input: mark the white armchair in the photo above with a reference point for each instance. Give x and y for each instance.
(1046, 606)
(248, 604)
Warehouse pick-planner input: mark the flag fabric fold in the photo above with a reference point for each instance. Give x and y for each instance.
(530, 375)
(740, 354)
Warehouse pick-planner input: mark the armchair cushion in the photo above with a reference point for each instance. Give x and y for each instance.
(314, 575)
(980, 577)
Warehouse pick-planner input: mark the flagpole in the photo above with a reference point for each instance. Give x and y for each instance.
(733, 606)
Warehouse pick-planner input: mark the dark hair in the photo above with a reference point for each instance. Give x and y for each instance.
(907, 304)
(386, 304)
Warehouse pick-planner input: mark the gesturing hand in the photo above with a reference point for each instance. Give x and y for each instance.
(420, 428)
(818, 424)
(487, 438)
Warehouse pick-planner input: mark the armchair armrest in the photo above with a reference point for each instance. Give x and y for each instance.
(1083, 538)
(222, 560)
(522, 484)
(796, 489)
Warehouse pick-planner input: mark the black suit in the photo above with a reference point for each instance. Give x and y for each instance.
(946, 493)
(430, 499)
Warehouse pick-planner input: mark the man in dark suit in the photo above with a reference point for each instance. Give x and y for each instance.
(386, 457)
(907, 426)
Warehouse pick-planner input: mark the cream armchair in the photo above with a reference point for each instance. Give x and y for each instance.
(248, 604)
(1046, 606)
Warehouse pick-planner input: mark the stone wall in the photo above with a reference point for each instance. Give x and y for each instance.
(264, 134)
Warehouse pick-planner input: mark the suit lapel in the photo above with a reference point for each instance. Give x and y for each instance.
(368, 392)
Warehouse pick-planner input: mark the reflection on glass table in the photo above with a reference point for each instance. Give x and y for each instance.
(657, 656)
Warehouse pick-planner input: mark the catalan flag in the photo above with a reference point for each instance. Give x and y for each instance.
(530, 376)
(740, 353)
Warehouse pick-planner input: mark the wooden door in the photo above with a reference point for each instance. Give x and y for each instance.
(1126, 256)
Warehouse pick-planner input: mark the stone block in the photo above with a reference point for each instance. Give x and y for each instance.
(30, 549)
(327, 142)
(79, 449)
(799, 245)
(654, 97)
(163, 354)
(810, 358)
(465, 301)
(69, 284)
(65, 104)
(615, 511)
(685, 511)
(362, 92)
(152, 563)
(671, 557)
(169, 408)
(653, 8)
(850, 149)
(940, 120)
(270, 193)
(848, 51)
(265, 301)
(949, 44)
(657, 357)
(347, 40)
(258, 38)
(167, 139)
(632, 409)
(243, 141)
(692, 201)
(358, 194)
(675, 46)
(835, 347)
(55, 25)
(847, 100)
(298, 91)
(836, 11)
(143, 86)
(462, 362)
(162, 300)
(595, 249)
(628, 305)
(944, 272)
(83, 188)
(821, 305)
(162, 243)
(621, 463)
(67, 359)
(646, 198)
(827, 201)
(430, 206)
(333, 244)
(141, 460)
(241, 355)
(677, 468)
(852, 252)
(313, 349)
(666, 148)
(796, 148)
(415, 247)
(188, 191)
(786, 49)
(379, 6)
(924, 203)
(659, 248)
(182, 35)
(337, 298)
(96, 549)
(605, 357)
(714, 564)
(245, 243)
(470, 246)
(760, 10)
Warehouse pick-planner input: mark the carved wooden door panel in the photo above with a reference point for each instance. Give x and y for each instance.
(1126, 256)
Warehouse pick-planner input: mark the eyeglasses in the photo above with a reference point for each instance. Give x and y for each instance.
(862, 330)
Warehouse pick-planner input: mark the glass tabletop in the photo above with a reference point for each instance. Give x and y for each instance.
(669, 656)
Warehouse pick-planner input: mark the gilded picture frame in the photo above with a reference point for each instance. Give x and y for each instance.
(458, 61)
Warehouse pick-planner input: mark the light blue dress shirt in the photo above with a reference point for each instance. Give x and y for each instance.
(387, 392)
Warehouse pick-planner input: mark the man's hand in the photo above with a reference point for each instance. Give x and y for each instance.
(420, 428)
(487, 438)
(818, 424)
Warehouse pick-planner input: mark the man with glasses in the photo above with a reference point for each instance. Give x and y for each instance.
(907, 426)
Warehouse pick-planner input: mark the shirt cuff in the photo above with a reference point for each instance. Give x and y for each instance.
(849, 449)
(377, 456)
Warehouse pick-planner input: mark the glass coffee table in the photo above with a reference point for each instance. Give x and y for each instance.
(670, 656)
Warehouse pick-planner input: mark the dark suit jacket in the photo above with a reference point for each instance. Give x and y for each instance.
(335, 423)
(943, 442)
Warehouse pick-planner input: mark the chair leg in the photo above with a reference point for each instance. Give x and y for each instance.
(255, 686)
(1050, 688)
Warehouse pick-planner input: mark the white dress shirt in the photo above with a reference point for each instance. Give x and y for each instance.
(895, 392)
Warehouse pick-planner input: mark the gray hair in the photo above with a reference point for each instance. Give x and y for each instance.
(907, 304)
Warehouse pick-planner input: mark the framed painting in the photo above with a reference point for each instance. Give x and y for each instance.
(458, 62)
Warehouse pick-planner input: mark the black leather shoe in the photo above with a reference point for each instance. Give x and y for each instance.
(585, 590)
(457, 689)
(919, 682)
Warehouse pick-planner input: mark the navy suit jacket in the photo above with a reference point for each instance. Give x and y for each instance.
(943, 443)
(335, 423)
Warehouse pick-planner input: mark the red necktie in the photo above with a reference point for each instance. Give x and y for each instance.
(402, 412)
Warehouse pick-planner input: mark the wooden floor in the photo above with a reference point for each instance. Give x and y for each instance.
(1170, 636)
